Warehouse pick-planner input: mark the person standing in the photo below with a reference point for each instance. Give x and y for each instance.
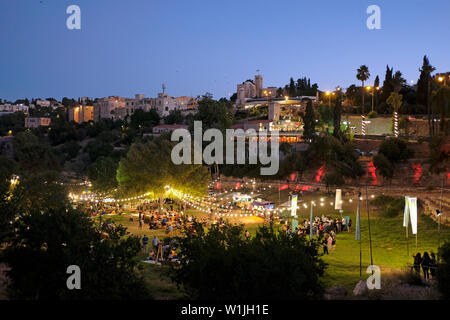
(417, 262)
(426, 266)
(155, 243)
(433, 265)
(344, 224)
(145, 243)
(349, 225)
(247, 235)
(333, 241)
(325, 246)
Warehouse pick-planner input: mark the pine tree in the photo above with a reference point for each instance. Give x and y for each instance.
(424, 89)
(309, 124)
(337, 117)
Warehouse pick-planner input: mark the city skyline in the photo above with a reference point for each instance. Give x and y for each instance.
(123, 49)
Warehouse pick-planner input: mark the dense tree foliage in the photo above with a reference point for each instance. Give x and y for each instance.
(102, 174)
(222, 265)
(213, 114)
(383, 165)
(443, 273)
(395, 149)
(148, 167)
(309, 122)
(32, 154)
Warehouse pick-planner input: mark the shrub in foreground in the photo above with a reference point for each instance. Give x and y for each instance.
(221, 264)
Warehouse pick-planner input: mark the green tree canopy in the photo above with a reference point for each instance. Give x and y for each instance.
(213, 114)
(48, 240)
(102, 174)
(309, 122)
(148, 167)
(32, 154)
(222, 265)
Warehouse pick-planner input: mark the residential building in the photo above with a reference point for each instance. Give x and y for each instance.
(138, 102)
(168, 128)
(13, 108)
(81, 114)
(112, 108)
(253, 90)
(120, 108)
(35, 122)
(43, 103)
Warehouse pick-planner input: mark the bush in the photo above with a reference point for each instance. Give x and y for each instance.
(395, 149)
(71, 149)
(372, 114)
(49, 238)
(443, 274)
(383, 166)
(222, 265)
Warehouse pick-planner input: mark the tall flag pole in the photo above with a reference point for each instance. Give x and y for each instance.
(368, 220)
(358, 232)
(311, 222)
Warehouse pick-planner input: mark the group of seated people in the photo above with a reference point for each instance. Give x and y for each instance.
(164, 219)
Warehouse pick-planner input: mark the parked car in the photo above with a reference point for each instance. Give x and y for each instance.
(358, 153)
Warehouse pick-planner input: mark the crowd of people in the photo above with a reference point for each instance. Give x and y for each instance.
(324, 228)
(428, 263)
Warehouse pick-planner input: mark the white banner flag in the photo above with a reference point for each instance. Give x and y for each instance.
(410, 213)
(406, 212)
(338, 200)
(413, 214)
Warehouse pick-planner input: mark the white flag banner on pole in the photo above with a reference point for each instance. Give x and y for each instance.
(338, 200)
(410, 213)
(294, 205)
(413, 214)
(406, 212)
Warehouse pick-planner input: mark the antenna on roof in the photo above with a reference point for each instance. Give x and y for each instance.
(164, 87)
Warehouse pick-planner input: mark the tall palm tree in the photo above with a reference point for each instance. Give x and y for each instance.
(363, 74)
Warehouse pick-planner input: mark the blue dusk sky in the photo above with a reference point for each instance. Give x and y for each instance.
(133, 46)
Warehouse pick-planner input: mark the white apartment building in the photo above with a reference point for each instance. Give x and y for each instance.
(13, 108)
(35, 122)
(43, 103)
(120, 108)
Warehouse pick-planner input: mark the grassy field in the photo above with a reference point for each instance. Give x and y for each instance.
(389, 250)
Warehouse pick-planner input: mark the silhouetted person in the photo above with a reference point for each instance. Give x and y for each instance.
(426, 266)
(417, 262)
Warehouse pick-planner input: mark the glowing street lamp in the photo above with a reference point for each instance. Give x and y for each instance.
(329, 97)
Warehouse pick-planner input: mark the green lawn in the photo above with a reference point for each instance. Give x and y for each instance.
(388, 243)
